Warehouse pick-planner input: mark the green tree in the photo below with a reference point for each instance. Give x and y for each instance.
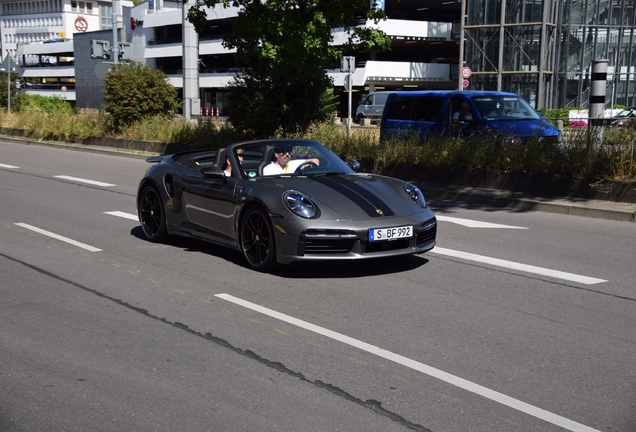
(15, 94)
(135, 91)
(286, 45)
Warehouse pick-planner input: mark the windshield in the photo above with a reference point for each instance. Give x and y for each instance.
(504, 108)
(626, 112)
(289, 157)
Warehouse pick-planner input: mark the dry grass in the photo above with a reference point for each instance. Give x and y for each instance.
(614, 159)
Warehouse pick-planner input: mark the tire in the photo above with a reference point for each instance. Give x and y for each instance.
(152, 215)
(258, 242)
(359, 118)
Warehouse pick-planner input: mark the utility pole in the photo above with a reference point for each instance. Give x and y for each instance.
(115, 44)
(191, 100)
(348, 64)
(8, 66)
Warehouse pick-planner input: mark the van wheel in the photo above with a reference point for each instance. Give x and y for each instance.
(359, 118)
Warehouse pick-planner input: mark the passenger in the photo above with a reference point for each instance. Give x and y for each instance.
(282, 163)
(228, 166)
(498, 110)
(465, 110)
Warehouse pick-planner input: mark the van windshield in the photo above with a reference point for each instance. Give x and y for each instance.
(504, 108)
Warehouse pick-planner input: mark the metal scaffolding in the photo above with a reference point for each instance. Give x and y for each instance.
(543, 49)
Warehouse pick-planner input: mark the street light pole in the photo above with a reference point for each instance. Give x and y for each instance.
(8, 81)
(115, 43)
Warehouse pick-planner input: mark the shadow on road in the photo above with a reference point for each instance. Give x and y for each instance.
(320, 270)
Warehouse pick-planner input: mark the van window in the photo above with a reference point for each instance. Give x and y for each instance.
(427, 108)
(380, 98)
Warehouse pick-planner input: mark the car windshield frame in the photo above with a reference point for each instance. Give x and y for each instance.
(259, 154)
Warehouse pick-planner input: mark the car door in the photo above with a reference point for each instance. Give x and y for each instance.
(210, 205)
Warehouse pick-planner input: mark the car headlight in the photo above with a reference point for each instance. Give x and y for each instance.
(415, 194)
(299, 204)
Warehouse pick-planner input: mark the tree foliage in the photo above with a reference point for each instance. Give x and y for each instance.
(15, 94)
(285, 46)
(135, 91)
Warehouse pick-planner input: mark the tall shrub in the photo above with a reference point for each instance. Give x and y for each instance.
(135, 91)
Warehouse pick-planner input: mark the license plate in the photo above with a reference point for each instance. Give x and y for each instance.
(390, 233)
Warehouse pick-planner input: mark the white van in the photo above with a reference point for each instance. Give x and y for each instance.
(372, 106)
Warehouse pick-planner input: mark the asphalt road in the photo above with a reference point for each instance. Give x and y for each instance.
(516, 321)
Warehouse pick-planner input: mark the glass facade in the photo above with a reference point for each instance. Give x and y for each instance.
(543, 50)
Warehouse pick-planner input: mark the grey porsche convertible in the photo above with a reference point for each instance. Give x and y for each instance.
(283, 201)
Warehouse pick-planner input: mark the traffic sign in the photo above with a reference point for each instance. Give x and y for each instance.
(8, 64)
(466, 72)
(465, 83)
(81, 25)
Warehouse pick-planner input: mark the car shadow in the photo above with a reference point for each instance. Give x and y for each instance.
(310, 270)
(351, 269)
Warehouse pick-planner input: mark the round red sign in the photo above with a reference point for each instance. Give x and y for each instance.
(81, 25)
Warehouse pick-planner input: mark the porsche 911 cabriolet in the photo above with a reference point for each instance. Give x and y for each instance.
(283, 201)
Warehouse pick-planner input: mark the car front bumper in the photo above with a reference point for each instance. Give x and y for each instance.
(336, 241)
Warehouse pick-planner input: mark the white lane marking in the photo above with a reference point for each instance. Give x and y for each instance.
(420, 367)
(8, 166)
(517, 266)
(81, 180)
(475, 224)
(123, 215)
(59, 237)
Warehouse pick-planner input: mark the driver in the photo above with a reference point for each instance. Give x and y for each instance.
(282, 163)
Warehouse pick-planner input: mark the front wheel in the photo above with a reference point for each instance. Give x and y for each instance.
(152, 215)
(257, 240)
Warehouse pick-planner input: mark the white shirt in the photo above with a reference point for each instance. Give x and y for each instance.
(274, 169)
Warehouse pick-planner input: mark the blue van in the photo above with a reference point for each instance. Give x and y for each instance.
(463, 114)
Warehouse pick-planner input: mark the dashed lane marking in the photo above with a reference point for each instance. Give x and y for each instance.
(518, 266)
(475, 224)
(420, 367)
(59, 237)
(123, 215)
(81, 180)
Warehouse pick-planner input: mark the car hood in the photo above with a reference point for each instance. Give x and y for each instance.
(524, 128)
(351, 196)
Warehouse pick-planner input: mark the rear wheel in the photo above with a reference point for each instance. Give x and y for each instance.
(152, 215)
(257, 240)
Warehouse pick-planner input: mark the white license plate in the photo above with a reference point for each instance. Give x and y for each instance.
(390, 233)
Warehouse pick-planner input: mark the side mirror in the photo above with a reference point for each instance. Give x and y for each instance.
(213, 172)
(353, 164)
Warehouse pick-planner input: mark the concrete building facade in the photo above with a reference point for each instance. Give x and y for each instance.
(540, 49)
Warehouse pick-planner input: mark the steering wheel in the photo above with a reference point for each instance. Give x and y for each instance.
(305, 165)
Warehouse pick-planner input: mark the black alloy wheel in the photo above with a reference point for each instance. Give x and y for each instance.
(152, 215)
(257, 240)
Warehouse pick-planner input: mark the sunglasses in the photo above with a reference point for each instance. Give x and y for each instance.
(283, 150)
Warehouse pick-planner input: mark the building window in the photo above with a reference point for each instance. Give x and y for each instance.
(106, 16)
